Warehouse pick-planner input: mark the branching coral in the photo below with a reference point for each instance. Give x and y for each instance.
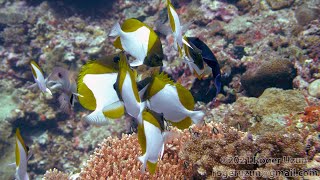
(117, 159)
(55, 174)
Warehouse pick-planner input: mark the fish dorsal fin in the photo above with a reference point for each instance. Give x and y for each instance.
(100, 66)
(19, 138)
(33, 70)
(131, 25)
(158, 82)
(117, 44)
(124, 68)
(171, 19)
(185, 97)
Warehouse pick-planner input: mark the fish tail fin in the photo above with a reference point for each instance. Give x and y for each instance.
(152, 167)
(143, 160)
(115, 30)
(12, 164)
(96, 118)
(196, 116)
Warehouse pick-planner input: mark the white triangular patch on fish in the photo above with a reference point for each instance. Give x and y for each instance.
(136, 44)
(167, 101)
(101, 86)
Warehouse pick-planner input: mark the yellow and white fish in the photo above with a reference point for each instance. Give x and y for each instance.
(21, 158)
(193, 59)
(175, 26)
(172, 100)
(140, 41)
(39, 77)
(127, 89)
(151, 139)
(95, 84)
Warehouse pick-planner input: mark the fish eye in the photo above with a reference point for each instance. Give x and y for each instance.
(116, 59)
(59, 75)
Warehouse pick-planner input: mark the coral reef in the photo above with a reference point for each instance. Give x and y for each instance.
(258, 44)
(215, 148)
(199, 153)
(260, 115)
(55, 174)
(117, 158)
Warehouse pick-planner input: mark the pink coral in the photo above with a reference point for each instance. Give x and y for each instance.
(117, 158)
(55, 174)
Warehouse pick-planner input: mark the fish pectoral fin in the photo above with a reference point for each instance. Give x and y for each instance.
(12, 164)
(114, 110)
(77, 94)
(56, 86)
(48, 91)
(136, 62)
(96, 118)
(198, 72)
(186, 43)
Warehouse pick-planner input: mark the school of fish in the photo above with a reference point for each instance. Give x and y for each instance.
(108, 86)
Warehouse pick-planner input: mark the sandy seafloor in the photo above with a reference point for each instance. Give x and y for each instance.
(268, 52)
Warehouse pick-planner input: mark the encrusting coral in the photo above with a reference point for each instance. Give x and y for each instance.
(274, 73)
(216, 150)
